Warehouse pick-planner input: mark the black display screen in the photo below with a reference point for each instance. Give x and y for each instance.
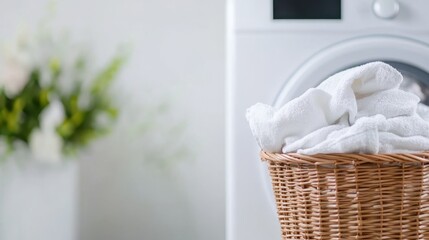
(307, 9)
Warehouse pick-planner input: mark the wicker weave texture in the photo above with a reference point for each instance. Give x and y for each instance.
(351, 196)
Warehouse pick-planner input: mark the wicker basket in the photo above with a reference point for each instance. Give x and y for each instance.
(351, 196)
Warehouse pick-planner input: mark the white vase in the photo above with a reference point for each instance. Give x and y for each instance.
(38, 201)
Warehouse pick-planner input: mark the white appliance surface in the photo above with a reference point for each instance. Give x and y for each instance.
(272, 61)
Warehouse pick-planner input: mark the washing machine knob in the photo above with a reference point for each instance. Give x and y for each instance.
(386, 9)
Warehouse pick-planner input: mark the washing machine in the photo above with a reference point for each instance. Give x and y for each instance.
(277, 49)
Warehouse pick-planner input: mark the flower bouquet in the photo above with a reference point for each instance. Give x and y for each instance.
(50, 101)
(51, 105)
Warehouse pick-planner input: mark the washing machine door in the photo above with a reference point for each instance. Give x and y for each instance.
(409, 56)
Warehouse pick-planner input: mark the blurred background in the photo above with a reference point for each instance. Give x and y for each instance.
(160, 173)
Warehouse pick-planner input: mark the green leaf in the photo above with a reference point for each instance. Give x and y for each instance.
(66, 129)
(106, 76)
(55, 66)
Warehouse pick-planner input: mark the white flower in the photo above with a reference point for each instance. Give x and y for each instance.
(46, 146)
(52, 115)
(15, 66)
(14, 75)
(45, 143)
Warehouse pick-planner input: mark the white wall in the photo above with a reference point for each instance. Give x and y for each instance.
(177, 57)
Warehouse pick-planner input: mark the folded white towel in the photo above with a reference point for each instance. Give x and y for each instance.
(373, 134)
(360, 109)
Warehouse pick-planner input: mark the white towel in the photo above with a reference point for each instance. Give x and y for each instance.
(296, 119)
(360, 109)
(373, 134)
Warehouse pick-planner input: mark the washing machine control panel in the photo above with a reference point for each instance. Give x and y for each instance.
(378, 16)
(306, 9)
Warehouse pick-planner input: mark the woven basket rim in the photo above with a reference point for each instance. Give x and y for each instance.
(346, 158)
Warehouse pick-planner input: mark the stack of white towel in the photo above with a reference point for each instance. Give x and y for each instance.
(359, 110)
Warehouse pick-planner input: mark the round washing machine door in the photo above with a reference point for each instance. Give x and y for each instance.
(409, 56)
